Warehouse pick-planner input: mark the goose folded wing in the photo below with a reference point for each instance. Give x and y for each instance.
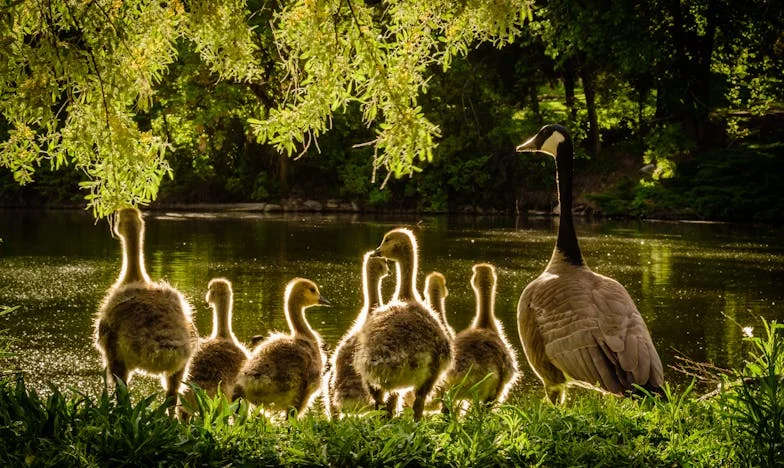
(573, 343)
(623, 330)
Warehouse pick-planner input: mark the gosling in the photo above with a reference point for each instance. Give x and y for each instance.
(484, 365)
(284, 371)
(402, 344)
(220, 357)
(143, 325)
(436, 293)
(346, 391)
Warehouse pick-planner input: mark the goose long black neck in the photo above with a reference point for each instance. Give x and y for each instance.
(567, 237)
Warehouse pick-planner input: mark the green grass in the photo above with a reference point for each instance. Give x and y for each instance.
(739, 427)
(592, 430)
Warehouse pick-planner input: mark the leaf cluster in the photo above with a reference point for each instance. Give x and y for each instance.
(383, 54)
(754, 400)
(76, 77)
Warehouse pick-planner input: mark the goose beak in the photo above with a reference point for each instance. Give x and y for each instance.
(529, 146)
(324, 301)
(376, 253)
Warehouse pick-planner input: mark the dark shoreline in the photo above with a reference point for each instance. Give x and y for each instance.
(343, 208)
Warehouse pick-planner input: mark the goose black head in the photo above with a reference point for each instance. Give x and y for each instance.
(548, 140)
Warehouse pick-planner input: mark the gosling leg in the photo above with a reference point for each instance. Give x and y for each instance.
(499, 390)
(378, 396)
(391, 405)
(302, 401)
(239, 392)
(117, 371)
(173, 382)
(421, 394)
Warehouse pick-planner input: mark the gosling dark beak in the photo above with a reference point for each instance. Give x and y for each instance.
(530, 145)
(324, 301)
(376, 253)
(256, 339)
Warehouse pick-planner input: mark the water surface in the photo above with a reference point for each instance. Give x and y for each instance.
(696, 284)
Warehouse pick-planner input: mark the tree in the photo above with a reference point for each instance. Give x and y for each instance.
(79, 80)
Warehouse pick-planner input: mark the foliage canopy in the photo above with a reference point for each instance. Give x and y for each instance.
(80, 80)
(222, 94)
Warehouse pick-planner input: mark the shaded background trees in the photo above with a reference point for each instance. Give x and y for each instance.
(693, 88)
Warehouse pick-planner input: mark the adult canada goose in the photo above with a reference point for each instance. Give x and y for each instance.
(284, 370)
(435, 295)
(220, 357)
(143, 325)
(578, 326)
(346, 392)
(402, 344)
(483, 363)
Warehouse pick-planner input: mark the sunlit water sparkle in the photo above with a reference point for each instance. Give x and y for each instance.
(696, 285)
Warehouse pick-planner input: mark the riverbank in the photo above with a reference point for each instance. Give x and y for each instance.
(730, 184)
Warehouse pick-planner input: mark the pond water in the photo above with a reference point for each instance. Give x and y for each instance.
(696, 284)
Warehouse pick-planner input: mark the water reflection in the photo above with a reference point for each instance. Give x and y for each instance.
(695, 284)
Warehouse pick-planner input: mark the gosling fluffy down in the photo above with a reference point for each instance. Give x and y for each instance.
(143, 325)
(284, 370)
(220, 357)
(484, 364)
(403, 344)
(346, 391)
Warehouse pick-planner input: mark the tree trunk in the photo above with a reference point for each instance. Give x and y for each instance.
(569, 83)
(594, 144)
(673, 90)
(533, 96)
(703, 71)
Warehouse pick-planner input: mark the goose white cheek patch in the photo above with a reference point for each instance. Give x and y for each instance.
(551, 144)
